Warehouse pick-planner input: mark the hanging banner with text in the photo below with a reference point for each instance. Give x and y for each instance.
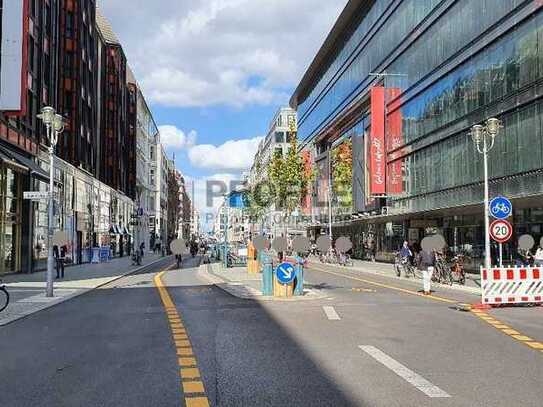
(377, 142)
(394, 141)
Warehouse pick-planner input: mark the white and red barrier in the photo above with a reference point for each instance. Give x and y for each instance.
(512, 285)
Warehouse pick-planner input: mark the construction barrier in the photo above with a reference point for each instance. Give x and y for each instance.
(512, 285)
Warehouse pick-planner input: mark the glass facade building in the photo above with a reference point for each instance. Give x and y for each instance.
(445, 65)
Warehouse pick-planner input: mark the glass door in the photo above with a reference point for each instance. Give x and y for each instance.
(10, 228)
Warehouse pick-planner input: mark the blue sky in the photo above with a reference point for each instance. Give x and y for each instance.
(214, 72)
(214, 125)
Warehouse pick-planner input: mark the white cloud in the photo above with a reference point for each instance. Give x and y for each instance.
(172, 137)
(221, 52)
(232, 155)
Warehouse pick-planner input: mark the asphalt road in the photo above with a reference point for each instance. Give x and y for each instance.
(371, 341)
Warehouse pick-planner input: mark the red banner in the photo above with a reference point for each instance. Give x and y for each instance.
(377, 142)
(394, 141)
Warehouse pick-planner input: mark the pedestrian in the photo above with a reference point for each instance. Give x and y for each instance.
(60, 255)
(142, 249)
(539, 256)
(426, 262)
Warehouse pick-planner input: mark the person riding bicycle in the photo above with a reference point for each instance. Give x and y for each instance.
(405, 252)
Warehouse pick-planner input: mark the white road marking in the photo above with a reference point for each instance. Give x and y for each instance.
(331, 313)
(408, 375)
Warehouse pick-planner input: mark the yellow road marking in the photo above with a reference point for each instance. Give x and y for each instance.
(193, 387)
(522, 338)
(390, 287)
(480, 313)
(184, 352)
(197, 402)
(190, 373)
(508, 331)
(187, 360)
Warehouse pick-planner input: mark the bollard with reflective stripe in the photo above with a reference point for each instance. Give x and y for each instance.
(299, 289)
(267, 274)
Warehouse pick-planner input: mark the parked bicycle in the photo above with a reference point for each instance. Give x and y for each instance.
(457, 269)
(4, 297)
(442, 272)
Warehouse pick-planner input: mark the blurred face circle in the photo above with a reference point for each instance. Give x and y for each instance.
(324, 243)
(343, 244)
(178, 246)
(261, 243)
(301, 244)
(280, 244)
(526, 242)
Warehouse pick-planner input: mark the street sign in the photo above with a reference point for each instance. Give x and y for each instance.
(500, 208)
(501, 230)
(285, 273)
(35, 195)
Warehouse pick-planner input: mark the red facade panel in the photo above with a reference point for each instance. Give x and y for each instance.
(394, 141)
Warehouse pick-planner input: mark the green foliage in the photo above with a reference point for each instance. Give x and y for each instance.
(259, 199)
(342, 173)
(288, 177)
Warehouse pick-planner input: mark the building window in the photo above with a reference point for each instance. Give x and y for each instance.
(279, 137)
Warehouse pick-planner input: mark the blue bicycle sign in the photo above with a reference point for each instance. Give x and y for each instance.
(500, 208)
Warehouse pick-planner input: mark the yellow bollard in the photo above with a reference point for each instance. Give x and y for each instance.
(253, 266)
(282, 290)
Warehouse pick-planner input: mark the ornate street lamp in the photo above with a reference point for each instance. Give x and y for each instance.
(484, 138)
(54, 124)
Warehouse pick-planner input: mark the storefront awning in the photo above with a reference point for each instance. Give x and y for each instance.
(19, 160)
(114, 230)
(125, 230)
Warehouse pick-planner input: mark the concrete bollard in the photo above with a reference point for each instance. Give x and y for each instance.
(299, 289)
(267, 274)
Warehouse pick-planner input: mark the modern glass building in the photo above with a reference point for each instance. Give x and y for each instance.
(404, 81)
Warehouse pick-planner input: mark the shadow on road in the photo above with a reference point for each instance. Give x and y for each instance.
(247, 357)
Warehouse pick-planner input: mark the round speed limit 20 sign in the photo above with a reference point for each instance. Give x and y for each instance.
(501, 230)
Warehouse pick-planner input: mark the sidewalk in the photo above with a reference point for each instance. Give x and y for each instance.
(27, 291)
(473, 281)
(239, 283)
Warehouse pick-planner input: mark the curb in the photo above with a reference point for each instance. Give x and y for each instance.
(467, 290)
(9, 320)
(244, 292)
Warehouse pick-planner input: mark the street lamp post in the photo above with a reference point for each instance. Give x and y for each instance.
(484, 137)
(54, 124)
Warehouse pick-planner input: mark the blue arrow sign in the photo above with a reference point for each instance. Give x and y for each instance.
(285, 273)
(500, 208)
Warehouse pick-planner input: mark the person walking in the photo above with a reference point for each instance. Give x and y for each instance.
(142, 249)
(60, 255)
(538, 258)
(426, 263)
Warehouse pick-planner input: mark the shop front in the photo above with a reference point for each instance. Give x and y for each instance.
(11, 205)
